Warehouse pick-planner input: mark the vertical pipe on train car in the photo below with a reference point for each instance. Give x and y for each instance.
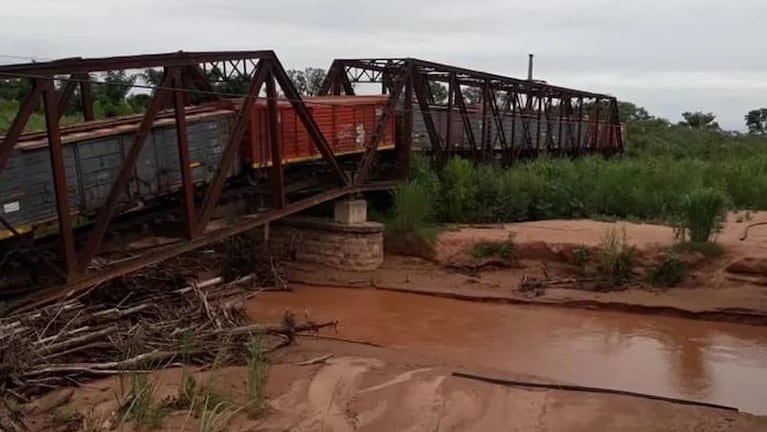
(485, 138)
(538, 126)
(182, 141)
(597, 113)
(276, 176)
(405, 143)
(86, 96)
(512, 141)
(580, 127)
(59, 178)
(560, 147)
(449, 119)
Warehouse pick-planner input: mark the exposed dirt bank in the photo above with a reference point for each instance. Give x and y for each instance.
(362, 388)
(728, 288)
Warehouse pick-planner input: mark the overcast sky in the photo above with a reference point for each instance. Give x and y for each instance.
(667, 55)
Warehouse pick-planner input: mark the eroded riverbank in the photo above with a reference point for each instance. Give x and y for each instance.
(729, 288)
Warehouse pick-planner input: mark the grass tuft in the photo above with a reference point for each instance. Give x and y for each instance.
(139, 404)
(257, 374)
(615, 260)
(501, 249)
(669, 272)
(702, 214)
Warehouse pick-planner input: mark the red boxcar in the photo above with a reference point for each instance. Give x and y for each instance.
(347, 122)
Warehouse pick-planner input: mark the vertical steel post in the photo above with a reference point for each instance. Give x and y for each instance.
(485, 138)
(59, 179)
(86, 96)
(405, 144)
(560, 147)
(513, 141)
(65, 94)
(597, 113)
(580, 127)
(421, 87)
(538, 126)
(127, 168)
(276, 177)
(182, 142)
(466, 120)
(449, 120)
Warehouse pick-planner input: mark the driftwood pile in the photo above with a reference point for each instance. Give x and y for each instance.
(144, 321)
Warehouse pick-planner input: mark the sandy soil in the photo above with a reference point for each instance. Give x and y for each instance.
(730, 288)
(363, 388)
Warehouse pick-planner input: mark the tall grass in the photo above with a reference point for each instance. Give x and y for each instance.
(257, 373)
(139, 404)
(647, 188)
(702, 214)
(615, 260)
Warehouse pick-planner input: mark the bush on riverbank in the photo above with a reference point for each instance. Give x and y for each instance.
(663, 163)
(647, 188)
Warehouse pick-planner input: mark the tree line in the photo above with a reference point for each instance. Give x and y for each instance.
(114, 95)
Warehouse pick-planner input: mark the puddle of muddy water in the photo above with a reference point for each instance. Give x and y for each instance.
(706, 361)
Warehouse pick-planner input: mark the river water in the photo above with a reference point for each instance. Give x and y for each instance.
(706, 361)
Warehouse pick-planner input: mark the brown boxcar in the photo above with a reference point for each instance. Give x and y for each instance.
(347, 122)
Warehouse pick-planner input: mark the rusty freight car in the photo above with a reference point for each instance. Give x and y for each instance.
(94, 153)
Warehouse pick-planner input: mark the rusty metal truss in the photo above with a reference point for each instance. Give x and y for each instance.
(513, 119)
(184, 73)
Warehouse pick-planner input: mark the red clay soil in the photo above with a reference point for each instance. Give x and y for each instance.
(728, 288)
(362, 388)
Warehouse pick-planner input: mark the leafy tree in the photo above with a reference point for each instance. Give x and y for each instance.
(15, 89)
(630, 112)
(307, 81)
(439, 92)
(472, 95)
(756, 120)
(152, 77)
(699, 120)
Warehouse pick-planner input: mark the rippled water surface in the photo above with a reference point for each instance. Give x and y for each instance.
(713, 362)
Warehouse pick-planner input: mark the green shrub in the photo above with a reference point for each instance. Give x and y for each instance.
(412, 209)
(257, 374)
(458, 189)
(410, 230)
(702, 214)
(615, 260)
(669, 272)
(501, 249)
(581, 255)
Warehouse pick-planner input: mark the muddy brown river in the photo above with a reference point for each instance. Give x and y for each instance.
(706, 361)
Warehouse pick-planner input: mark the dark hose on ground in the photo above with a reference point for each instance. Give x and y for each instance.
(577, 388)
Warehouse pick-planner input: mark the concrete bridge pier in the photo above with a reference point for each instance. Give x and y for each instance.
(348, 241)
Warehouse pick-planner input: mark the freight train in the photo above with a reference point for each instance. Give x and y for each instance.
(527, 132)
(94, 152)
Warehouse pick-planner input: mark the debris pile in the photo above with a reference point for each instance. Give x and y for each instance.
(138, 322)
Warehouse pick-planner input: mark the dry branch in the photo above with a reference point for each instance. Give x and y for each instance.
(143, 321)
